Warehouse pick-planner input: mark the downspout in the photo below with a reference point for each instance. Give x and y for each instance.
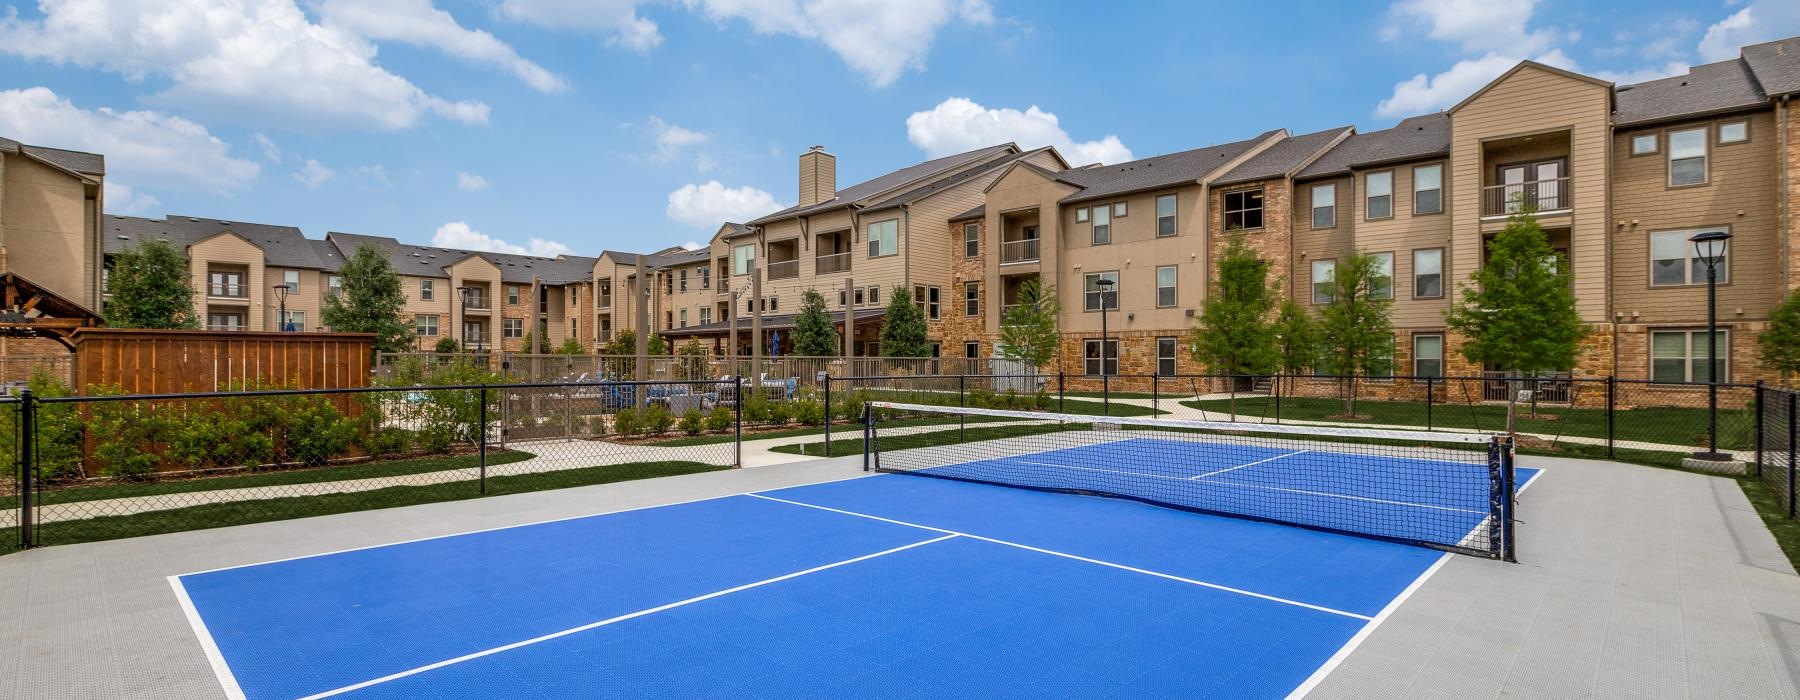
(906, 253)
(1787, 231)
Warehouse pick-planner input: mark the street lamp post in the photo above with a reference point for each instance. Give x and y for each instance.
(281, 295)
(1105, 286)
(464, 295)
(1710, 247)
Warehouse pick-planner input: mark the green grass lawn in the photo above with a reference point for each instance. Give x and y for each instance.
(1774, 515)
(245, 512)
(1677, 426)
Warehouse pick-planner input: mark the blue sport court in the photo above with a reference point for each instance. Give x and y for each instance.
(888, 586)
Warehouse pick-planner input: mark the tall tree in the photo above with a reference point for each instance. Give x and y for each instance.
(1234, 335)
(815, 335)
(1028, 330)
(150, 288)
(903, 330)
(1781, 342)
(1356, 336)
(1296, 339)
(1517, 312)
(370, 301)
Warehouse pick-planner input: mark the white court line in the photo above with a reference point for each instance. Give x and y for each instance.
(620, 618)
(1075, 557)
(1252, 464)
(227, 681)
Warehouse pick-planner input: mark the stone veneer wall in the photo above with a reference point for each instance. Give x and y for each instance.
(955, 327)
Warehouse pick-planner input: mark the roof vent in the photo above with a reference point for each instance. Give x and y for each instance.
(124, 237)
(193, 220)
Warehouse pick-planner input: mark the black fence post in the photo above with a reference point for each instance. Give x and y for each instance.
(868, 421)
(1612, 412)
(1155, 392)
(1278, 380)
(827, 414)
(962, 401)
(1062, 397)
(1757, 468)
(27, 464)
(737, 422)
(1429, 402)
(482, 428)
(1105, 392)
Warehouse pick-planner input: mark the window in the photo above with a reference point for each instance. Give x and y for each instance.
(1093, 364)
(1673, 260)
(1643, 144)
(1092, 297)
(1324, 272)
(1119, 210)
(683, 281)
(1680, 356)
(1381, 283)
(1165, 216)
(859, 297)
(668, 320)
(1324, 206)
(971, 240)
(972, 299)
(1102, 225)
(743, 257)
(1428, 273)
(1734, 132)
(927, 299)
(1165, 356)
(1687, 157)
(425, 292)
(1165, 286)
(224, 322)
(574, 328)
(1428, 189)
(512, 294)
(425, 324)
(705, 276)
(884, 238)
(333, 285)
(512, 327)
(668, 282)
(1081, 215)
(295, 321)
(683, 319)
(1378, 195)
(1244, 210)
(874, 295)
(1428, 355)
(972, 349)
(291, 279)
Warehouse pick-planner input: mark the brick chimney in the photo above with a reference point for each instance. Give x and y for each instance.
(818, 176)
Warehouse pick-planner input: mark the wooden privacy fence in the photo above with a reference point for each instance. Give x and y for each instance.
(148, 361)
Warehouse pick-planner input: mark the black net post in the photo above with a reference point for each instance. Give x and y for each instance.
(868, 421)
(27, 463)
(828, 414)
(1278, 380)
(1612, 412)
(1497, 498)
(1508, 491)
(1758, 403)
(481, 430)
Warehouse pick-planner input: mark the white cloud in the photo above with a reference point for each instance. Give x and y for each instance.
(1422, 93)
(670, 139)
(376, 175)
(877, 38)
(255, 60)
(1639, 75)
(711, 204)
(121, 199)
(1478, 25)
(458, 234)
(469, 182)
(271, 152)
(692, 245)
(959, 124)
(313, 174)
(140, 146)
(617, 19)
(418, 23)
(1758, 22)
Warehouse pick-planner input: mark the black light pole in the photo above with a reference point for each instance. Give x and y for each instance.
(1710, 246)
(1105, 286)
(281, 294)
(464, 294)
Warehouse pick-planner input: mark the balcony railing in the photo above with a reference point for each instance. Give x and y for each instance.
(784, 269)
(1019, 251)
(477, 304)
(1535, 195)
(227, 327)
(605, 301)
(835, 262)
(229, 291)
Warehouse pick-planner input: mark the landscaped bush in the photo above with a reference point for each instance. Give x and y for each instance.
(628, 422)
(124, 430)
(721, 419)
(808, 412)
(208, 435)
(693, 422)
(980, 398)
(594, 425)
(59, 430)
(385, 441)
(314, 432)
(658, 419)
(758, 409)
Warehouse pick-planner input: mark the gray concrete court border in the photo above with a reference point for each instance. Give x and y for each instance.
(1633, 582)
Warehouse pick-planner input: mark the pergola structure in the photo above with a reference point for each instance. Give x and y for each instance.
(28, 310)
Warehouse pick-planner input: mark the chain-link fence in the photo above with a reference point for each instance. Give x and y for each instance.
(1776, 445)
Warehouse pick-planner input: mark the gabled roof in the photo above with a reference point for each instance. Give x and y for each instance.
(1705, 89)
(1775, 65)
(283, 246)
(979, 211)
(430, 261)
(1553, 70)
(74, 161)
(1424, 136)
(914, 195)
(1185, 167)
(730, 230)
(1286, 157)
(889, 182)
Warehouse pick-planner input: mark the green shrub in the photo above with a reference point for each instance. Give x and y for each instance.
(980, 398)
(721, 419)
(808, 412)
(315, 432)
(757, 409)
(693, 422)
(207, 435)
(658, 419)
(851, 407)
(594, 425)
(386, 441)
(435, 439)
(59, 430)
(627, 422)
(1041, 400)
(125, 430)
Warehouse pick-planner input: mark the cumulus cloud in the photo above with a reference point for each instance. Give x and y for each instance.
(711, 204)
(959, 124)
(617, 20)
(1756, 23)
(121, 199)
(418, 23)
(255, 60)
(692, 245)
(313, 174)
(1478, 25)
(878, 38)
(458, 234)
(672, 143)
(271, 152)
(469, 182)
(140, 146)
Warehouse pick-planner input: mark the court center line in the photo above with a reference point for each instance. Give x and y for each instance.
(1251, 464)
(620, 618)
(1076, 557)
(1324, 494)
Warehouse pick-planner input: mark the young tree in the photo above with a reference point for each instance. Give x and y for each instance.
(622, 343)
(1234, 335)
(1028, 330)
(815, 335)
(447, 345)
(149, 288)
(691, 360)
(370, 301)
(1781, 342)
(657, 345)
(570, 346)
(903, 331)
(532, 344)
(1517, 312)
(1296, 339)
(1355, 333)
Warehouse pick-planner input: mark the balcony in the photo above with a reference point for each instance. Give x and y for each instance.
(1547, 196)
(227, 327)
(835, 262)
(1019, 251)
(784, 269)
(228, 290)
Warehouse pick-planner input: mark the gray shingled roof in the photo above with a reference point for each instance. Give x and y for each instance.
(282, 246)
(979, 211)
(421, 260)
(869, 188)
(78, 161)
(1282, 158)
(1776, 65)
(1423, 136)
(779, 322)
(917, 194)
(1706, 89)
(1151, 173)
(736, 229)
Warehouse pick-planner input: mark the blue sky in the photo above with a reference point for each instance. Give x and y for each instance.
(545, 125)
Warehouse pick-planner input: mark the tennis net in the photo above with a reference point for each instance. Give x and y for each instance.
(1439, 489)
